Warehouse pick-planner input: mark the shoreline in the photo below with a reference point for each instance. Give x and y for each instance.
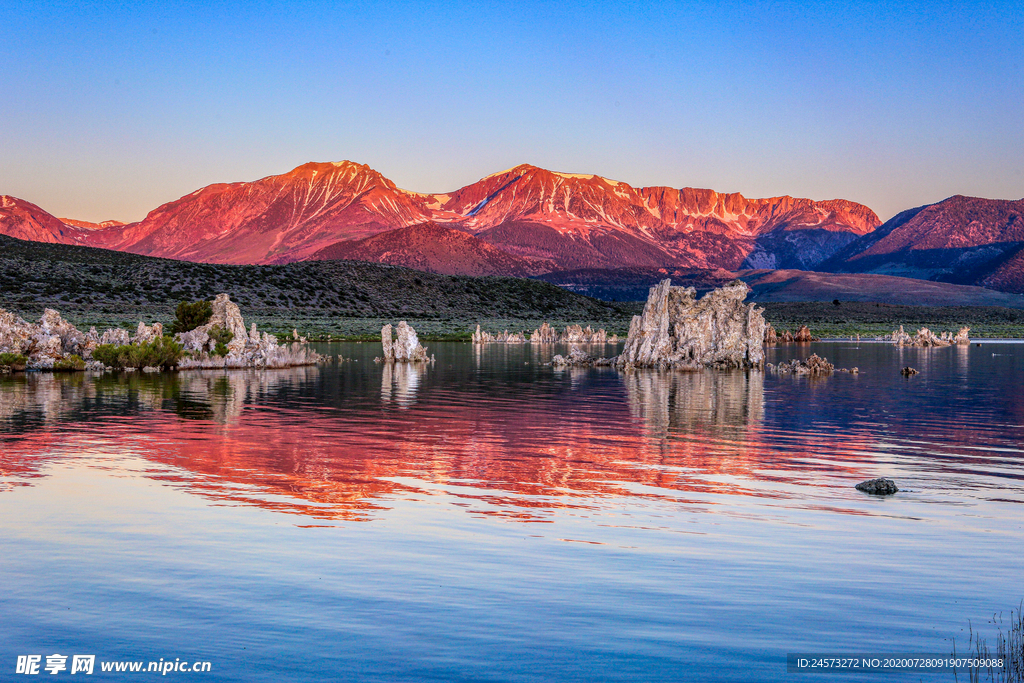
(326, 328)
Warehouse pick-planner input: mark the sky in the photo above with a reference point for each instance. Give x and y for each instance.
(108, 110)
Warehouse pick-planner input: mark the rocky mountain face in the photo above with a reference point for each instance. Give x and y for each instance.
(435, 249)
(86, 225)
(541, 221)
(963, 240)
(586, 221)
(26, 221)
(284, 217)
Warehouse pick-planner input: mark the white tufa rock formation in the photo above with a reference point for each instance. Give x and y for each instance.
(405, 349)
(815, 365)
(579, 357)
(506, 337)
(52, 339)
(678, 330)
(56, 339)
(245, 350)
(387, 340)
(926, 337)
(545, 334)
(145, 333)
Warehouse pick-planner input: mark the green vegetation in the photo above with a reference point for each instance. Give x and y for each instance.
(222, 338)
(162, 352)
(351, 299)
(69, 364)
(872, 320)
(189, 316)
(221, 335)
(13, 360)
(323, 299)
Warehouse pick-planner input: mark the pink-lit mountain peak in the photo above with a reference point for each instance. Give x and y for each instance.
(292, 214)
(529, 192)
(569, 220)
(25, 220)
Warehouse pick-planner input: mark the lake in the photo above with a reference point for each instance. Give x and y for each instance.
(490, 518)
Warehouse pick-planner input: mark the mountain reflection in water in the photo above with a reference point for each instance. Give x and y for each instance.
(506, 436)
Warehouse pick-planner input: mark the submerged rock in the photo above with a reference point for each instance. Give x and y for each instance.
(678, 330)
(878, 487)
(578, 357)
(815, 365)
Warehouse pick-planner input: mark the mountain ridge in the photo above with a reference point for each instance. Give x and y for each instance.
(961, 240)
(582, 220)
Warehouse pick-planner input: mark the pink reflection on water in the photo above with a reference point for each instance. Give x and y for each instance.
(676, 437)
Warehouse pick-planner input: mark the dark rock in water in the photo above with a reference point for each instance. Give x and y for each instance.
(878, 487)
(908, 371)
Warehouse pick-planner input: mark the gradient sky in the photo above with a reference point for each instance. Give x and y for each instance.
(108, 110)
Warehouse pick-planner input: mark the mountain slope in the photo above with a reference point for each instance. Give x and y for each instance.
(590, 221)
(572, 220)
(631, 284)
(101, 283)
(435, 249)
(966, 240)
(86, 225)
(24, 220)
(287, 216)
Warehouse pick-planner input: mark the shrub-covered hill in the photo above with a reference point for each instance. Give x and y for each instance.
(102, 285)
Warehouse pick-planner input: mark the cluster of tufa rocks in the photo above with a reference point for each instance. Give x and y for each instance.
(802, 336)
(926, 337)
(405, 349)
(247, 349)
(54, 339)
(678, 330)
(579, 358)
(815, 366)
(545, 334)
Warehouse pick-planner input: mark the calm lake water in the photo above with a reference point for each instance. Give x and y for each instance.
(489, 518)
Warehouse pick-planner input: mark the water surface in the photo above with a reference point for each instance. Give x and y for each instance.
(491, 518)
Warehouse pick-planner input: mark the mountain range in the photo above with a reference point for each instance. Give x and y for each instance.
(529, 221)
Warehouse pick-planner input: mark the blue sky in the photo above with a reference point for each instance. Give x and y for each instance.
(109, 110)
